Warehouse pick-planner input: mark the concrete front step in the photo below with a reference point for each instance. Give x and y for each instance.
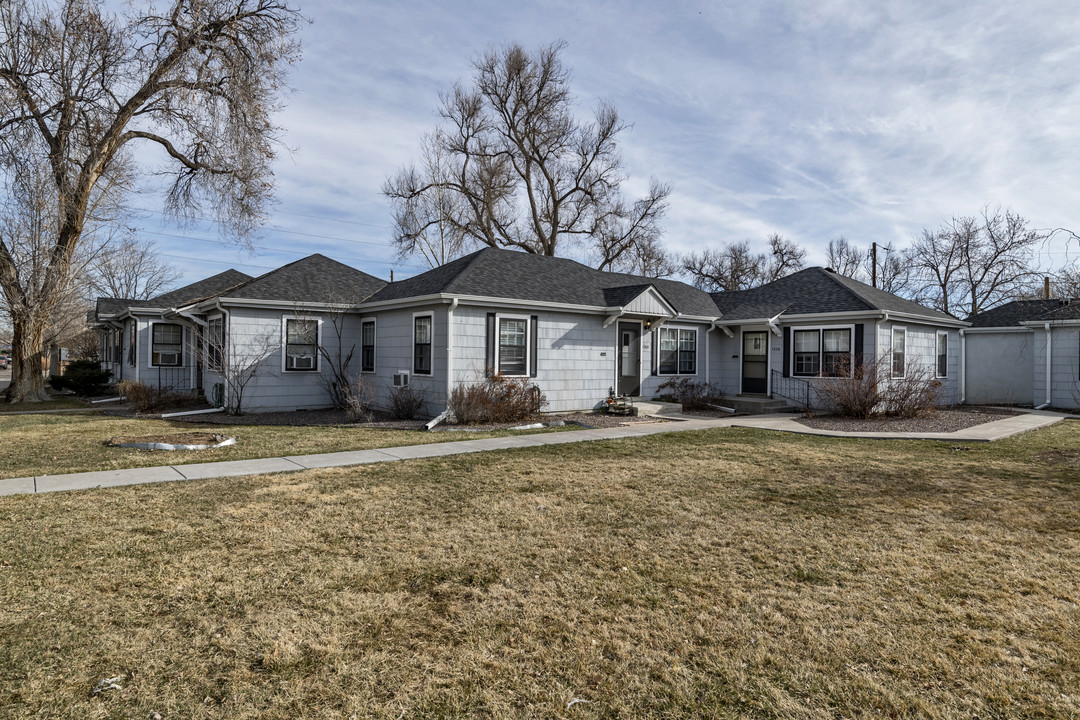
(753, 405)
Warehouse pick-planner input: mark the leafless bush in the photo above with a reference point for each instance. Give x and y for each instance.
(357, 400)
(498, 399)
(145, 398)
(870, 391)
(693, 394)
(406, 402)
(857, 396)
(911, 396)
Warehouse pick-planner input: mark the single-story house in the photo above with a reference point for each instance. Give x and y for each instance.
(576, 332)
(1010, 351)
(780, 338)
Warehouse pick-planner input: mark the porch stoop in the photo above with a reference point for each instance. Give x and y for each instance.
(656, 407)
(758, 405)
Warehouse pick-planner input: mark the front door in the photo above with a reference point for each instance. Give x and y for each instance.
(629, 359)
(755, 363)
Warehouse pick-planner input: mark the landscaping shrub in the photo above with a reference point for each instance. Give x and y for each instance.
(357, 400)
(693, 394)
(870, 392)
(498, 399)
(146, 398)
(406, 402)
(82, 377)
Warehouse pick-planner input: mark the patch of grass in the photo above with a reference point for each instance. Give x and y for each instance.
(76, 442)
(64, 403)
(729, 573)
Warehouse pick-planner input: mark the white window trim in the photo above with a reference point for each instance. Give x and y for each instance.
(375, 344)
(150, 345)
(499, 317)
(206, 344)
(892, 351)
(412, 355)
(937, 353)
(285, 337)
(697, 350)
(821, 349)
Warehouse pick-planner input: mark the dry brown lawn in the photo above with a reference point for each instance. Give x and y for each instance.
(78, 442)
(728, 573)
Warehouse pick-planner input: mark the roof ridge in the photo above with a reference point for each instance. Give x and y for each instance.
(870, 305)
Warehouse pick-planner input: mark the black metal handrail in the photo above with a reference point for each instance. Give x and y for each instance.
(792, 389)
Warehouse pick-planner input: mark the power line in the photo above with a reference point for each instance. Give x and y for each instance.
(278, 228)
(222, 243)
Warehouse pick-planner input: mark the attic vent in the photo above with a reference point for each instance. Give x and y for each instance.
(401, 379)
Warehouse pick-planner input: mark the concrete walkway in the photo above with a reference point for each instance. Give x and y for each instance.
(199, 471)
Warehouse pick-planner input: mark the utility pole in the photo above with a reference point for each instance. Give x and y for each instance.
(873, 264)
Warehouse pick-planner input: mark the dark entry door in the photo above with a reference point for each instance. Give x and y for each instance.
(629, 359)
(755, 363)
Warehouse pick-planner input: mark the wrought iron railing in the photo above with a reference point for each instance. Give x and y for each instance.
(794, 390)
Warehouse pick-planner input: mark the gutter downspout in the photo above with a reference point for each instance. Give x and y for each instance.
(1049, 353)
(963, 368)
(449, 352)
(774, 327)
(227, 332)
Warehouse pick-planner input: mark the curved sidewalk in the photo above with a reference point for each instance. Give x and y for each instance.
(986, 432)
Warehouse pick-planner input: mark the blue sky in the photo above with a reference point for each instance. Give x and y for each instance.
(814, 120)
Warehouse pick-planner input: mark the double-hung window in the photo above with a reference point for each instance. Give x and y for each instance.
(513, 339)
(367, 346)
(822, 352)
(166, 345)
(215, 344)
(942, 354)
(899, 347)
(301, 344)
(677, 354)
(422, 345)
(807, 352)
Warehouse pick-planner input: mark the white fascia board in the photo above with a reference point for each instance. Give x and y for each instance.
(999, 330)
(269, 304)
(1052, 323)
(485, 302)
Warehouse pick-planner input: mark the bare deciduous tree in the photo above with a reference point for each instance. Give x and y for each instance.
(971, 264)
(79, 87)
(845, 258)
(736, 267)
(129, 267)
(511, 167)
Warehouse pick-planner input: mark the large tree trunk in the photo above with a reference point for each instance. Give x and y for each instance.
(27, 380)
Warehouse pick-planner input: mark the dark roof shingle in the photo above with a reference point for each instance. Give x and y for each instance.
(509, 274)
(315, 278)
(812, 291)
(1011, 314)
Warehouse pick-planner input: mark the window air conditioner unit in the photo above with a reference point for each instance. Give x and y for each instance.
(303, 362)
(401, 379)
(168, 358)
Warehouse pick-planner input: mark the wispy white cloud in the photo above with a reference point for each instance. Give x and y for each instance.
(869, 120)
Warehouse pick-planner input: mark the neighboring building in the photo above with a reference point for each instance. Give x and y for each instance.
(1012, 349)
(576, 332)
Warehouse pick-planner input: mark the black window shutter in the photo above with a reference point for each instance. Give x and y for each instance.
(655, 350)
(787, 352)
(533, 337)
(489, 346)
(858, 344)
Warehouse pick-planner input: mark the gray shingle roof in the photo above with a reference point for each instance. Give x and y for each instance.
(315, 278)
(509, 274)
(209, 287)
(1011, 314)
(174, 298)
(814, 290)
